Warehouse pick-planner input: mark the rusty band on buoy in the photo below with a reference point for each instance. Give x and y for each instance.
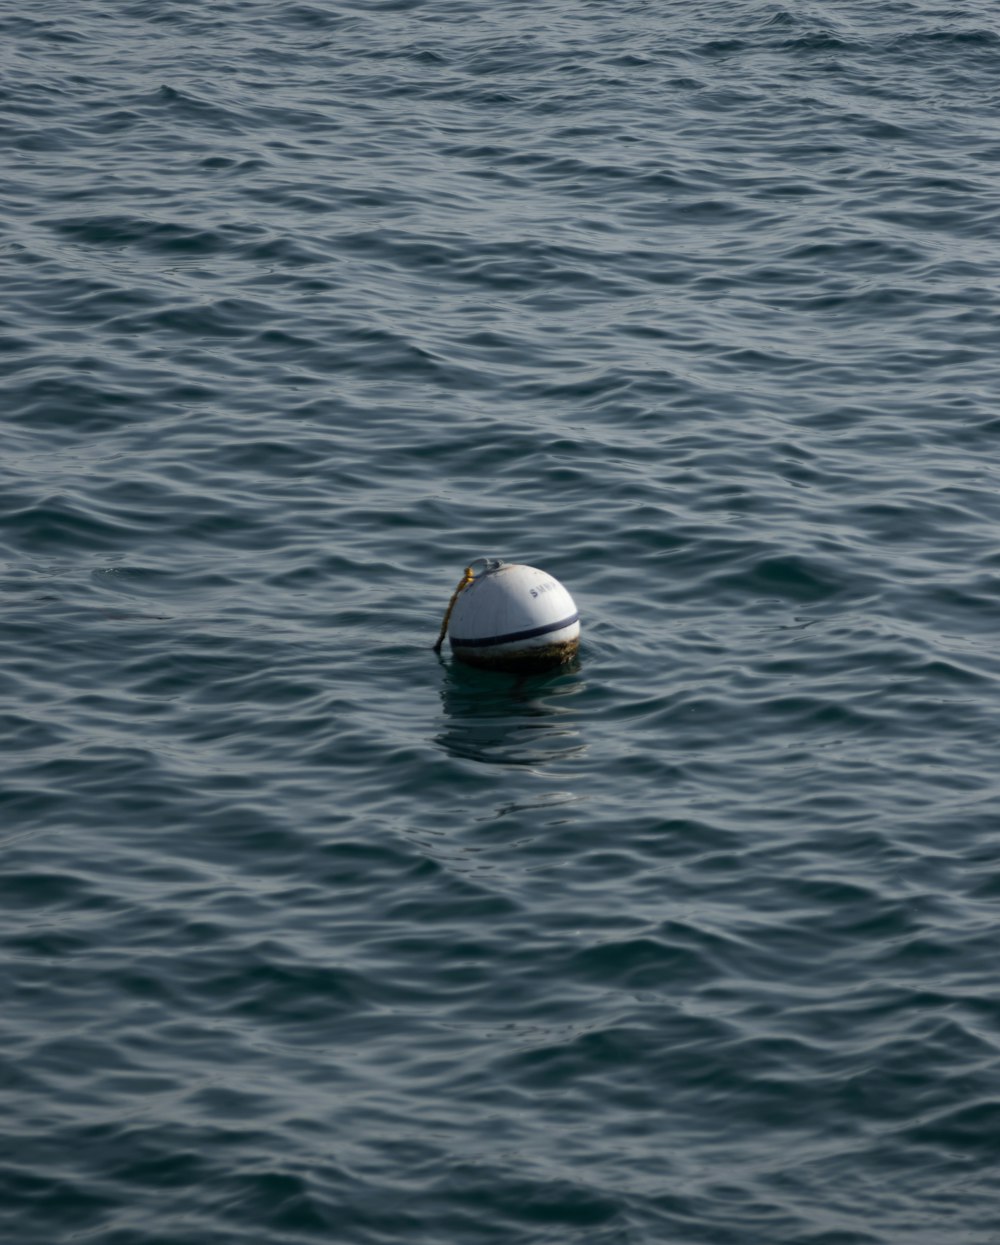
(467, 578)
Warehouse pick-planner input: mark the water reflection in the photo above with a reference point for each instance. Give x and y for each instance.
(506, 719)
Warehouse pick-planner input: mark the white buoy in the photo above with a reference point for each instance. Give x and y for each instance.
(513, 617)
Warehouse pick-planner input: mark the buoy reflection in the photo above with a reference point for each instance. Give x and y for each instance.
(507, 719)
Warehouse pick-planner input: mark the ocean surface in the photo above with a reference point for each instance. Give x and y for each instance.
(309, 935)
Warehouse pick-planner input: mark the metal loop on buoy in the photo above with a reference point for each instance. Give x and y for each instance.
(489, 565)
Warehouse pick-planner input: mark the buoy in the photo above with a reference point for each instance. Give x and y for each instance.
(511, 617)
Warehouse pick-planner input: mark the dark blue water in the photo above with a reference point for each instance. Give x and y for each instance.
(306, 935)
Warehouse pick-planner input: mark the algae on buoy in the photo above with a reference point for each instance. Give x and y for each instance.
(511, 617)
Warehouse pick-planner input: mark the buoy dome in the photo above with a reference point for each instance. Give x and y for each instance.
(514, 617)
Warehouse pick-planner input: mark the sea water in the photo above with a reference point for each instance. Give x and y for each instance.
(307, 935)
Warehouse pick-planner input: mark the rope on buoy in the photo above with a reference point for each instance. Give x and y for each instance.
(467, 579)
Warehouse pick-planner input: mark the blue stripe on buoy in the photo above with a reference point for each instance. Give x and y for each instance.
(516, 635)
